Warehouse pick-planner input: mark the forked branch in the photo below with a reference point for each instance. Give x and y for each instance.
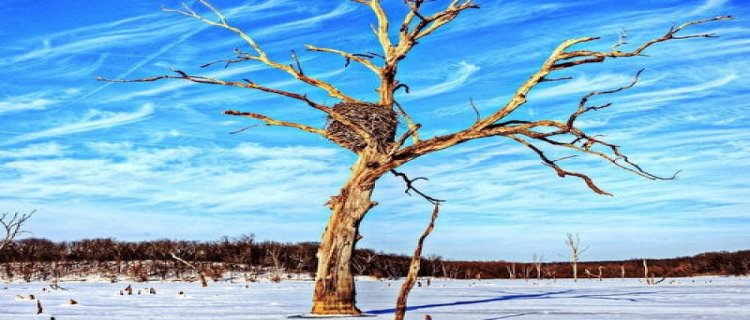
(561, 59)
(545, 131)
(410, 186)
(249, 84)
(260, 54)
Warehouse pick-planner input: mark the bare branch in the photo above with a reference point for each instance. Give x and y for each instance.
(244, 129)
(260, 54)
(248, 84)
(273, 122)
(381, 31)
(562, 173)
(474, 107)
(410, 186)
(201, 274)
(582, 104)
(545, 79)
(297, 64)
(428, 24)
(400, 142)
(562, 59)
(413, 127)
(621, 41)
(11, 226)
(559, 59)
(364, 59)
(408, 38)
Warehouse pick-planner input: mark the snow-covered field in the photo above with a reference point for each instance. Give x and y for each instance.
(684, 299)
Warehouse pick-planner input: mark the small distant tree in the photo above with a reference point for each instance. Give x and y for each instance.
(436, 263)
(301, 257)
(537, 260)
(12, 224)
(511, 271)
(363, 261)
(574, 244)
(369, 128)
(527, 268)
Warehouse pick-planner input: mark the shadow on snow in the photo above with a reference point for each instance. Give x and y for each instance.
(542, 295)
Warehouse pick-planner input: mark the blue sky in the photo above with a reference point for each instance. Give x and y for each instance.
(155, 160)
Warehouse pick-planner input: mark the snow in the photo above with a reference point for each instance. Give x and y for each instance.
(611, 299)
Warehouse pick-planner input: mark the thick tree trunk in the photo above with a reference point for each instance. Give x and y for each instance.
(335, 292)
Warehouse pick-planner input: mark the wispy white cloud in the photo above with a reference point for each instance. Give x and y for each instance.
(306, 23)
(504, 13)
(179, 178)
(707, 6)
(657, 97)
(35, 150)
(93, 120)
(24, 103)
(460, 76)
(35, 101)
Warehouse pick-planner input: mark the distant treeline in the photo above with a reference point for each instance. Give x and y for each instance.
(44, 259)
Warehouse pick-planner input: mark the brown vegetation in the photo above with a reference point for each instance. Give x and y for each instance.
(243, 259)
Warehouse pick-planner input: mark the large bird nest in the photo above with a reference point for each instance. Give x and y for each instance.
(375, 119)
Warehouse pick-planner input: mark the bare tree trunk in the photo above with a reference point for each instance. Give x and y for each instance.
(334, 292)
(414, 266)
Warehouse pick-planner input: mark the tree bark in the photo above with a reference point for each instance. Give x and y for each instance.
(335, 292)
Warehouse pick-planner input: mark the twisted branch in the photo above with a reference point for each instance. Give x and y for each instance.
(410, 186)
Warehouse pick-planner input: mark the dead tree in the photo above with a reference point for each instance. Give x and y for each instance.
(368, 128)
(648, 278)
(274, 255)
(598, 276)
(201, 274)
(362, 262)
(574, 244)
(11, 224)
(302, 257)
(527, 271)
(511, 271)
(538, 265)
(435, 264)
